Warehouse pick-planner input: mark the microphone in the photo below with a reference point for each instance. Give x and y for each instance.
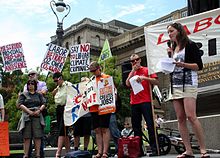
(169, 45)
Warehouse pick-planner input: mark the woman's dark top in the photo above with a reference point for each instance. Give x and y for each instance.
(192, 54)
(31, 100)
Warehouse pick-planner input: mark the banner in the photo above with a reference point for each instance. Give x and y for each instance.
(203, 28)
(4, 139)
(106, 94)
(106, 52)
(55, 58)
(13, 57)
(91, 93)
(76, 105)
(80, 58)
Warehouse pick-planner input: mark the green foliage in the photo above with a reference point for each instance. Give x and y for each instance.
(14, 82)
(13, 113)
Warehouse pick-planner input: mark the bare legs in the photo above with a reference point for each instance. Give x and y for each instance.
(26, 147)
(61, 140)
(37, 143)
(102, 139)
(86, 141)
(186, 109)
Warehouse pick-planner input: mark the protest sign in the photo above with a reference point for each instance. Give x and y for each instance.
(91, 94)
(55, 58)
(106, 94)
(13, 57)
(106, 52)
(80, 58)
(76, 105)
(4, 139)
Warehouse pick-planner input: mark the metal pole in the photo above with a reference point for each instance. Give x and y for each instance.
(59, 31)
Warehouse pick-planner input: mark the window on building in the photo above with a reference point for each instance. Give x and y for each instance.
(67, 45)
(78, 40)
(97, 38)
(184, 14)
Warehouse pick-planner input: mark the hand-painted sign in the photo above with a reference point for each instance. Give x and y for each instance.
(55, 58)
(80, 58)
(13, 57)
(4, 139)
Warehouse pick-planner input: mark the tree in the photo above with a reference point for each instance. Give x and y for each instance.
(13, 84)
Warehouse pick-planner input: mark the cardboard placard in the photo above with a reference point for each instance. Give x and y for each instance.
(4, 139)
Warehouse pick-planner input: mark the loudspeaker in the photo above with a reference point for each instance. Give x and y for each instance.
(199, 6)
(126, 69)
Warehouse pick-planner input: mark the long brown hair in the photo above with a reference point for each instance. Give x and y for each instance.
(181, 37)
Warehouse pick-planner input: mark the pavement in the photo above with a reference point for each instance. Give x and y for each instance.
(174, 156)
(50, 152)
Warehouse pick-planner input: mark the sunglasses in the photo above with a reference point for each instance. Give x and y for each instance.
(134, 60)
(93, 70)
(56, 80)
(31, 83)
(126, 124)
(32, 74)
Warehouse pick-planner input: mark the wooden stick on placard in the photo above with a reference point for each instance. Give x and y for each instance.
(155, 129)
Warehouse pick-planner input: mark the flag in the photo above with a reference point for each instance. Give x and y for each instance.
(106, 52)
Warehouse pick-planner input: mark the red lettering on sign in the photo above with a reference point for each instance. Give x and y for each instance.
(202, 25)
(84, 48)
(84, 105)
(78, 99)
(217, 20)
(159, 41)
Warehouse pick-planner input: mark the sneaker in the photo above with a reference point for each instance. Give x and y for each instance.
(116, 155)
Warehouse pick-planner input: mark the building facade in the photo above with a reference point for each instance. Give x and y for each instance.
(126, 39)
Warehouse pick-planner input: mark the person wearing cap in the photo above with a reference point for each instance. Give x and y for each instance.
(2, 109)
(41, 85)
(100, 123)
(60, 95)
(42, 89)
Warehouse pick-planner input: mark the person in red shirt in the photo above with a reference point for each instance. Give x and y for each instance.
(141, 101)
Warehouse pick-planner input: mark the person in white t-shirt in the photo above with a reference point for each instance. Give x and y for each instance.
(159, 121)
(2, 109)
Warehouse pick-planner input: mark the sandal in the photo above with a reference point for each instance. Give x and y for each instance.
(99, 155)
(205, 155)
(105, 155)
(184, 155)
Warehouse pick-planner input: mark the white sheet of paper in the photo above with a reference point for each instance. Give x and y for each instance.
(136, 87)
(166, 65)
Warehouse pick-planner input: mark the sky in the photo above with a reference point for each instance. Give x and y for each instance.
(32, 22)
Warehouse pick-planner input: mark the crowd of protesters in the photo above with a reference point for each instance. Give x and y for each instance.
(183, 94)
